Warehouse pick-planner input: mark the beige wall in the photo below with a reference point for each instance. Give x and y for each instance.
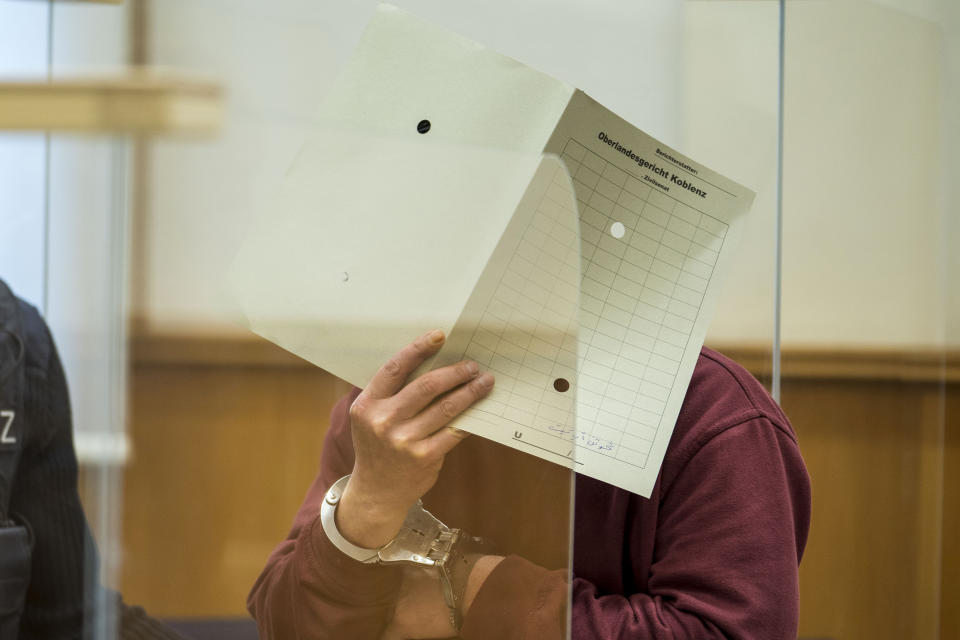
(863, 258)
(950, 167)
(729, 122)
(276, 61)
(861, 181)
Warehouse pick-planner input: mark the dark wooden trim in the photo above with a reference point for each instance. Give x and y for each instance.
(209, 350)
(853, 363)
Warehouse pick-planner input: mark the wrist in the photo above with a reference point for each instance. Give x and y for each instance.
(367, 521)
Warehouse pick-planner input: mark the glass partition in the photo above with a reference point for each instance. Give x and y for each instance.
(869, 362)
(210, 378)
(206, 310)
(730, 111)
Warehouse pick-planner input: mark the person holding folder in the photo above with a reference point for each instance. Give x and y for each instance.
(713, 553)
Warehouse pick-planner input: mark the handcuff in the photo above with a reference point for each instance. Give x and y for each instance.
(422, 541)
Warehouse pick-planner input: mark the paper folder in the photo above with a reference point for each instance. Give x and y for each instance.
(558, 245)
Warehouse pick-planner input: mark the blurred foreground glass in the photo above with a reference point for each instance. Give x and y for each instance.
(240, 402)
(869, 311)
(226, 430)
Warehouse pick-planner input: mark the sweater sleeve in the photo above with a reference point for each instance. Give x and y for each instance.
(729, 535)
(309, 588)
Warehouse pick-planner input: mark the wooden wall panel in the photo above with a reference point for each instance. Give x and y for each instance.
(226, 442)
(222, 458)
(871, 569)
(950, 594)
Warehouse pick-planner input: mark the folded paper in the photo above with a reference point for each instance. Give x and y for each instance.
(566, 251)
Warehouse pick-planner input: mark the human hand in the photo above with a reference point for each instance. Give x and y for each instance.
(400, 438)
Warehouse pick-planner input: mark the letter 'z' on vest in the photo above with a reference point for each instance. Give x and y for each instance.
(15, 539)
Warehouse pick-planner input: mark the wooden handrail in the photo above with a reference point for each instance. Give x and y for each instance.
(137, 100)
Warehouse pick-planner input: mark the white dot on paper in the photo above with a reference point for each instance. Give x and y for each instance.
(617, 230)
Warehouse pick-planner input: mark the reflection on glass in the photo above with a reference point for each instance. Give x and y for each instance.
(226, 429)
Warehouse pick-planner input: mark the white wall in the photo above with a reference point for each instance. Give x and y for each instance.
(87, 250)
(729, 123)
(863, 258)
(862, 215)
(62, 214)
(23, 50)
(277, 60)
(950, 169)
(864, 262)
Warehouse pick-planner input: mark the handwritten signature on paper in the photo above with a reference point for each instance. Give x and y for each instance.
(582, 438)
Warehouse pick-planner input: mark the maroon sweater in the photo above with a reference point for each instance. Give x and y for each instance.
(713, 553)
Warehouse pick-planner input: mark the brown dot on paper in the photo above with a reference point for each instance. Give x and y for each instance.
(561, 384)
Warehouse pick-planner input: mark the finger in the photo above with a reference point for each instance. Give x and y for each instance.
(448, 407)
(410, 400)
(443, 441)
(392, 375)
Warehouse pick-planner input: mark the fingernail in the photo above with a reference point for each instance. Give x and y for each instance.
(458, 432)
(473, 368)
(436, 336)
(486, 380)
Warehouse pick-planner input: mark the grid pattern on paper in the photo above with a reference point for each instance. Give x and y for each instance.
(640, 296)
(527, 335)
